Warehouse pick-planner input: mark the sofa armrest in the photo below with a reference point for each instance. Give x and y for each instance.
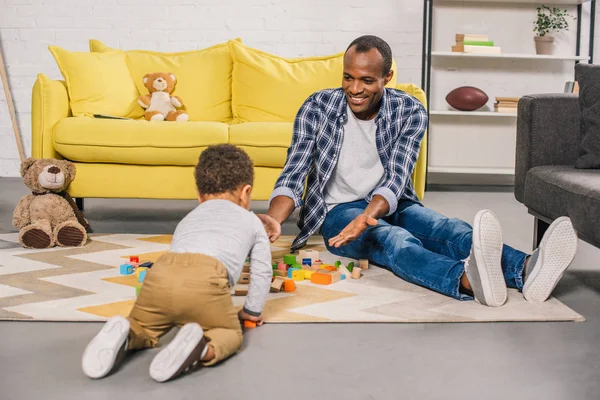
(548, 133)
(49, 105)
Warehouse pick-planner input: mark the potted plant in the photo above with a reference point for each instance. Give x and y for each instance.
(549, 20)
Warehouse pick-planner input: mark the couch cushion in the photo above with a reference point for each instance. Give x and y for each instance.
(558, 190)
(265, 142)
(136, 142)
(269, 88)
(588, 78)
(98, 83)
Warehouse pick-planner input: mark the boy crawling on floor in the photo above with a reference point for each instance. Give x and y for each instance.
(189, 286)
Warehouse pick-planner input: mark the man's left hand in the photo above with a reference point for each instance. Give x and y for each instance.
(353, 230)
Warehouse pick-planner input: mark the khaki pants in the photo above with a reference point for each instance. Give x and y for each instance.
(182, 288)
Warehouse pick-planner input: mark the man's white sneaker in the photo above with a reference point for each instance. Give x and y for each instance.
(483, 267)
(549, 261)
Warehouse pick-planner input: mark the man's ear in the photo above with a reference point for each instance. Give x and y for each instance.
(26, 164)
(389, 76)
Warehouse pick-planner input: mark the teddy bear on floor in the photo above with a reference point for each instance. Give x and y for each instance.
(49, 216)
(159, 104)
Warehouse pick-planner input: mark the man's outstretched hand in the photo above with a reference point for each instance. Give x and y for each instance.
(353, 230)
(272, 227)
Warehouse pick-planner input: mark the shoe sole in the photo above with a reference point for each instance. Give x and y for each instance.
(488, 254)
(557, 250)
(174, 356)
(100, 354)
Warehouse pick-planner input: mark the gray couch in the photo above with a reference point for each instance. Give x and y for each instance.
(558, 156)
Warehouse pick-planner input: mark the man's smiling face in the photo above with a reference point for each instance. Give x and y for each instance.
(364, 82)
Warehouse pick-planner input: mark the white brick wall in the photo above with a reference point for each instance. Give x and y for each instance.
(284, 27)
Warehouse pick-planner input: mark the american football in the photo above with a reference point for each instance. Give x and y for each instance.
(467, 98)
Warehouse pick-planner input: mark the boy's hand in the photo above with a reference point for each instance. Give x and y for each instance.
(243, 316)
(272, 227)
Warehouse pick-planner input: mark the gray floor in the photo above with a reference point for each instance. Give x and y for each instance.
(341, 361)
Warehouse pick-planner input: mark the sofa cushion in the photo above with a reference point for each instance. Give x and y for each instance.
(557, 190)
(98, 83)
(269, 88)
(588, 78)
(265, 142)
(136, 142)
(203, 77)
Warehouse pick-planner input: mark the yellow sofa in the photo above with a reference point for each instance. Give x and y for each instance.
(234, 94)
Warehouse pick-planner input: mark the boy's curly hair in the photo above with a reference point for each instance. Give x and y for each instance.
(223, 168)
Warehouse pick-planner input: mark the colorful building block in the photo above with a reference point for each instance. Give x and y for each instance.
(139, 270)
(320, 278)
(126, 269)
(308, 274)
(244, 278)
(356, 273)
(134, 259)
(350, 266)
(363, 264)
(328, 268)
(147, 264)
(291, 271)
(289, 259)
(277, 284)
(142, 275)
(337, 263)
(282, 266)
(312, 254)
(297, 275)
(289, 286)
(249, 324)
(317, 263)
(137, 290)
(307, 261)
(344, 271)
(281, 273)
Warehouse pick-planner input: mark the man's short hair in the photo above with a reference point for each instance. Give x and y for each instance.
(367, 42)
(223, 168)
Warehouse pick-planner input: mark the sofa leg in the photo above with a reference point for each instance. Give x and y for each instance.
(539, 228)
(79, 203)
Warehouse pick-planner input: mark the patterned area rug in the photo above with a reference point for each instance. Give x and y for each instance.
(84, 284)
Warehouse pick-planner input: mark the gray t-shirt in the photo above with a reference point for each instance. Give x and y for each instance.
(358, 170)
(223, 230)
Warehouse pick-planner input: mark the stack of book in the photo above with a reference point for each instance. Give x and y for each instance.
(474, 43)
(506, 104)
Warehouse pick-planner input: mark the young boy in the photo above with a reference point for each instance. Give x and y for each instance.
(189, 286)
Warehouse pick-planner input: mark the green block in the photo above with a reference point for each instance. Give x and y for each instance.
(289, 259)
(137, 290)
(337, 263)
(297, 266)
(274, 265)
(350, 266)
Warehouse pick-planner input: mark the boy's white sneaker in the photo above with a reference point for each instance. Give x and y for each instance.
(183, 353)
(106, 349)
(549, 261)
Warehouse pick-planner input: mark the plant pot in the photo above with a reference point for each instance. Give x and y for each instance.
(543, 44)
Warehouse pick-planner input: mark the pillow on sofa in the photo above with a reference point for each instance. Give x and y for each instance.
(588, 78)
(269, 88)
(203, 77)
(98, 83)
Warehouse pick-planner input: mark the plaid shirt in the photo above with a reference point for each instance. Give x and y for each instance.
(315, 148)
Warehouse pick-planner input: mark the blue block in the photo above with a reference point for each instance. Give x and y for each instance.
(291, 270)
(343, 277)
(126, 269)
(307, 261)
(142, 275)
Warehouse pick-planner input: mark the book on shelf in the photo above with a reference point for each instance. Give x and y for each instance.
(462, 37)
(475, 43)
(571, 87)
(476, 49)
(506, 104)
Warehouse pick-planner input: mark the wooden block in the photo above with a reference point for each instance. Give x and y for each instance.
(363, 264)
(321, 278)
(289, 259)
(134, 259)
(137, 290)
(317, 263)
(312, 254)
(350, 266)
(291, 271)
(246, 268)
(277, 284)
(280, 273)
(307, 261)
(244, 278)
(249, 324)
(289, 286)
(282, 266)
(297, 274)
(337, 263)
(126, 269)
(344, 271)
(241, 291)
(308, 274)
(356, 272)
(336, 276)
(329, 268)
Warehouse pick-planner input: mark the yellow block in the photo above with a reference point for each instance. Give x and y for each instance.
(308, 274)
(298, 275)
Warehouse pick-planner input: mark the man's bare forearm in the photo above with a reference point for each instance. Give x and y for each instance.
(281, 208)
(378, 207)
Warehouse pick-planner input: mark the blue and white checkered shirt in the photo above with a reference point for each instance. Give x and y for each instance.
(316, 144)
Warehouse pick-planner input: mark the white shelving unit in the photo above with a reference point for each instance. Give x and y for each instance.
(483, 142)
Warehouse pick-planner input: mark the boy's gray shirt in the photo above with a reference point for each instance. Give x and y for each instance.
(223, 230)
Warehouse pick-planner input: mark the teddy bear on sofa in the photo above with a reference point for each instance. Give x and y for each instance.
(160, 105)
(49, 216)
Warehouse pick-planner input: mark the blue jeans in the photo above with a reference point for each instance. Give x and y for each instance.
(417, 244)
